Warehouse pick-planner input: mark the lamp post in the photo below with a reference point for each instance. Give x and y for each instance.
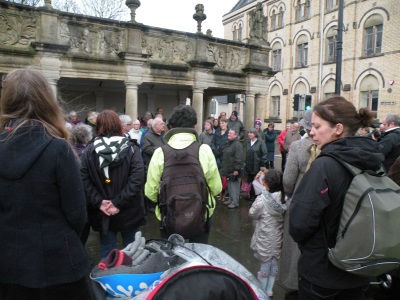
(339, 49)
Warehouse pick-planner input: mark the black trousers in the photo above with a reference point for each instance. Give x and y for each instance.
(309, 291)
(78, 290)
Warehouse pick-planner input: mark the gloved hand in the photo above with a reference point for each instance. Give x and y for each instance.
(136, 249)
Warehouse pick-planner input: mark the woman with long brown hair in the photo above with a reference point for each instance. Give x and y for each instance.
(42, 203)
(113, 177)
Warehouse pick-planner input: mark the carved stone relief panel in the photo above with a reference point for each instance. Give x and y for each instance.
(17, 30)
(93, 41)
(167, 49)
(226, 57)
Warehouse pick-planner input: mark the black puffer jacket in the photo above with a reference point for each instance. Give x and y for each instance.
(319, 198)
(390, 147)
(256, 156)
(125, 190)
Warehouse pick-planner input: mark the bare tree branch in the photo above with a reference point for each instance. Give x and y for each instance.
(109, 9)
(34, 3)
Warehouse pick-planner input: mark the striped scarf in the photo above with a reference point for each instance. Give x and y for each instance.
(108, 149)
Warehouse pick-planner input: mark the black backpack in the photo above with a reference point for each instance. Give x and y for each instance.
(183, 194)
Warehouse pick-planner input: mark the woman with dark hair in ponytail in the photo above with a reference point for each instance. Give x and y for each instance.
(317, 201)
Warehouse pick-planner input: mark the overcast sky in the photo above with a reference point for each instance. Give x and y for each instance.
(178, 14)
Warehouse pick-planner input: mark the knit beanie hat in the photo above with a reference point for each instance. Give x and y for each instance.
(114, 259)
(258, 122)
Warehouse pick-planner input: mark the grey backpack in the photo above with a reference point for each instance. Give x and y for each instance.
(368, 240)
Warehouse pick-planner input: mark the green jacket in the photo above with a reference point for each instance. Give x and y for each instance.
(181, 140)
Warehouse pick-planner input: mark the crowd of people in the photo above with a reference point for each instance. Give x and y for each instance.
(61, 177)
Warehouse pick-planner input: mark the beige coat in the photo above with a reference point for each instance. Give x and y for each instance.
(268, 211)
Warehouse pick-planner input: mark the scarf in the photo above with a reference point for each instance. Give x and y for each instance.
(108, 149)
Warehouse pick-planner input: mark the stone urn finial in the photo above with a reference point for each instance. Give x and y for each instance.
(133, 5)
(199, 16)
(47, 4)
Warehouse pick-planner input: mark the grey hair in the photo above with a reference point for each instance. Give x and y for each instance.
(72, 113)
(82, 133)
(92, 115)
(153, 123)
(234, 129)
(125, 119)
(253, 130)
(392, 118)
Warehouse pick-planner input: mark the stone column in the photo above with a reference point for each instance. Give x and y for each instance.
(53, 84)
(260, 107)
(197, 104)
(131, 100)
(249, 111)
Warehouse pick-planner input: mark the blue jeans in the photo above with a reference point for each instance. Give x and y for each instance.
(108, 242)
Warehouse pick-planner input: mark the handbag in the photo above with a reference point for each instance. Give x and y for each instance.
(246, 186)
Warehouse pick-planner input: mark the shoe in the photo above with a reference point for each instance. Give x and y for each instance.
(227, 202)
(232, 205)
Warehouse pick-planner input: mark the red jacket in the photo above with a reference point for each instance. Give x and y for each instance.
(281, 140)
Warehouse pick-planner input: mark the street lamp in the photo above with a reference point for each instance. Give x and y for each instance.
(339, 47)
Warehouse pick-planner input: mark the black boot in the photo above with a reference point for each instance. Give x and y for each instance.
(271, 165)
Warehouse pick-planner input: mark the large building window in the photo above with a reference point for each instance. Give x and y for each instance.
(298, 11)
(275, 108)
(234, 33)
(307, 9)
(240, 32)
(369, 89)
(302, 52)
(330, 5)
(329, 88)
(280, 18)
(373, 29)
(277, 57)
(273, 20)
(331, 45)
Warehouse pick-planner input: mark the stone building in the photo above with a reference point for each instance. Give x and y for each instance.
(302, 35)
(96, 63)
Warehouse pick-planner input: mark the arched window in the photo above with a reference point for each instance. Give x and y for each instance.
(275, 110)
(300, 95)
(369, 89)
(234, 33)
(329, 5)
(302, 51)
(280, 18)
(331, 36)
(373, 30)
(307, 9)
(240, 32)
(298, 11)
(276, 57)
(273, 20)
(329, 88)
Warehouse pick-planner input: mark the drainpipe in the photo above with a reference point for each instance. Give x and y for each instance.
(321, 48)
(339, 49)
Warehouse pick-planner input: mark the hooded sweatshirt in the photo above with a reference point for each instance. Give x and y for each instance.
(317, 204)
(42, 210)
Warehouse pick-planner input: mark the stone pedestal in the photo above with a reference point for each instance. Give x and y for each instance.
(249, 111)
(197, 104)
